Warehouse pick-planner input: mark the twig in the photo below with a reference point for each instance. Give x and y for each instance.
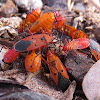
(70, 5)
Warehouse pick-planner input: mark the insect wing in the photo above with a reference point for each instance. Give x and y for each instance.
(54, 73)
(32, 42)
(42, 22)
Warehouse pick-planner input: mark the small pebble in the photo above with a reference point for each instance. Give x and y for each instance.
(9, 9)
(29, 5)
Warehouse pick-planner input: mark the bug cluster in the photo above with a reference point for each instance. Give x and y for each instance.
(35, 43)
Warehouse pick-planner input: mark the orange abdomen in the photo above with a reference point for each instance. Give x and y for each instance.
(10, 56)
(33, 60)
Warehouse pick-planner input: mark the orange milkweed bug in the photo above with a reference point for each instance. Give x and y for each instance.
(33, 60)
(32, 42)
(58, 71)
(80, 43)
(44, 21)
(73, 32)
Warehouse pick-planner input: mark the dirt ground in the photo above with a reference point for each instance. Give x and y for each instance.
(84, 15)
